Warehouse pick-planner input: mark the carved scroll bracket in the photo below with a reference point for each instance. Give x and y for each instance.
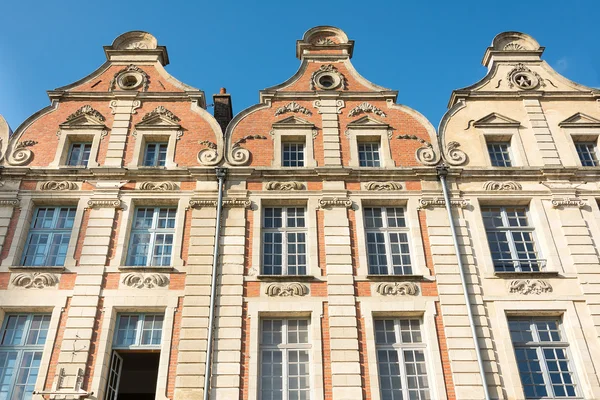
(292, 289)
(397, 289)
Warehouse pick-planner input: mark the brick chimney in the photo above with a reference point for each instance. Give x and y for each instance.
(223, 110)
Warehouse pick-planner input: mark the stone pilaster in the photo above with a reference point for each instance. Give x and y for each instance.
(541, 132)
(122, 109)
(329, 108)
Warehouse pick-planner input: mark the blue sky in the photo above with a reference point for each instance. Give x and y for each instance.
(423, 49)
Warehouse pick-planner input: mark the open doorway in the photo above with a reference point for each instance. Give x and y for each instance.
(133, 375)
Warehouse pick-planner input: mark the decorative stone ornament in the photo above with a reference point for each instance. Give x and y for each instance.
(198, 203)
(17, 154)
(524, 78)
(9, 202)
(383, 186)
(508, 185)
(327, 77)
(237, 203)
(130, 78)
(430, 202)
(104, 203)
(86, 110)
(529, 286)
(366, 108)
(239, 155)
(292, 289)
(425, 154)
(335, 202)
(568, 202)
(161, 111)
(158, 186)
(145, 281)
(58, 186)
(293, 107)
(285, 186)
(37, 280)
(398, 289)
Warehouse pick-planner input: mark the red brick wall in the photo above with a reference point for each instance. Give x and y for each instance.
(321, 260)
(172, 373)
(439, 327)
(67, 281)
(362, 354)
(93, 352)
(248, 242)
(185, 246)
(82, 231)
(245, 354)
(4, 280)
(62, 324)
(114, 235)
(326, 349)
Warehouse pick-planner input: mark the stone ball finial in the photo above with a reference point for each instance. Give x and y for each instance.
(135, 40)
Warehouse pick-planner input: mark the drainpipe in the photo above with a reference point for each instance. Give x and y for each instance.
(442, 171)
(220, 173)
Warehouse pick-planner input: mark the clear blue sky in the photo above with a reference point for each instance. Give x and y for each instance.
(423, 49)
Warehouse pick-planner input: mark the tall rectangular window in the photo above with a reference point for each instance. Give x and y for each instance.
(511, 239)
(588, 154)
(293, 155)
(21, 347)
(79, 154)
(152, 232)
(387, 241)
(49, 236)
(401, 359)
(368, 154)
(499, 154)
(284, 359)
(284, 241)
(542, 355)
(135, 357)
(155, 154)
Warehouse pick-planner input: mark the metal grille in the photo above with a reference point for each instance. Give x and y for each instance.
(151, 242)
(293, 155)
(499, 154)
(49, 236)
(511, 239)
(388, 250)
(284, 360)
(542, 358)
(587, 153)
(401, 360)
(284, 241)
(368, 155)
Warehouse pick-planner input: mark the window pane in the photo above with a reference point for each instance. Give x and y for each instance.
(587, 153)
(293, 155)
(499, 154)
(368, 155)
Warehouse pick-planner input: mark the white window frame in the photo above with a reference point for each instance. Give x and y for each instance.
(539, 346)
(150, 200)
(368, 129)
(399, 347)
(67, 138)
(373, 151)
(594, 152)
(284, 230)
(23, 348)
(508, 151)
(295, 143)
(51, 232)
(542, 263)
(139, 330)
(294, 135)
(285, 347)
(153, 232)
(143, 137)
(387, 231)
(413, 225)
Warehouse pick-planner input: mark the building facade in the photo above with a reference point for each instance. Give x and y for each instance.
(325, 243)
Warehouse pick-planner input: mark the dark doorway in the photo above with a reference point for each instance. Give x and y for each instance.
(138, 376)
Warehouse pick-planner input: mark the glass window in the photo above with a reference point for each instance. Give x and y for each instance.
(152, 232)
(587, 153)
(284, 359)
(155, 155)
(401, 359)
(293, 155)
(499, 154)
(542, 355)
(79, 154)
(387, 241)
(138, 330)
(368, 154)
(49, 236)
(284, 241)
(21, 347)
(511, 239)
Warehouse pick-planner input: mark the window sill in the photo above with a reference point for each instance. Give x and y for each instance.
(278, 278)
(396, 278)
(53, 268)
(146, 268)
(527, 274)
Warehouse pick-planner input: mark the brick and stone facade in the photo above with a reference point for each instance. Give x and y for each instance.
(361, 154)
